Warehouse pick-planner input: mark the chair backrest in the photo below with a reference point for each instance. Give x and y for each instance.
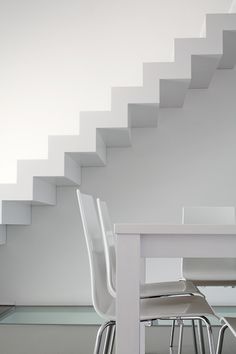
(109, 245)
(209, 271)
(101, 298)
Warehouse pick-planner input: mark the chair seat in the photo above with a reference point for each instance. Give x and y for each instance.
(231, 323)
(168, 307)
(211, 272)
(224, 283)
(180, 287)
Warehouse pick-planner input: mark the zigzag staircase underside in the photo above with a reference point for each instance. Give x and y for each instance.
(165, 85)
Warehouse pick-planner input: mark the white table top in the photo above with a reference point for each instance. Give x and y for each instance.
(177, 229)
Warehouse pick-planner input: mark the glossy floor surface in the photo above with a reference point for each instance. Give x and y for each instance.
(72, 315)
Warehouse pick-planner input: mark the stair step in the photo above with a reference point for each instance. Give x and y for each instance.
(121, 97)
(92, 158)
(108, 127)
(3, 234)
(44, 192)
(64, 172)
(15, 213)
(143, 115)
(216, 23)
(34, 190)
(202, 70)
(228, 59)
(86, 150)
(116, 137)
(185, 48)
(173, 92)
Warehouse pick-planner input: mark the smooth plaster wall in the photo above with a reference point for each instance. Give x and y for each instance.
(188, 160)
(59, 57)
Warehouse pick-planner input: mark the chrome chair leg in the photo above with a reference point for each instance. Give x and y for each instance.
(112, 339)
(201, 337)
(209, 334)
(181, 331)
(221, 339)
(172, 334)
(194, 337)
(181, 338)
(99, 336)
(107, 341)
(208, 327)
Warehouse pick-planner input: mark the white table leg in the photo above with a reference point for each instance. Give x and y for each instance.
(142, 324)
(128, 293)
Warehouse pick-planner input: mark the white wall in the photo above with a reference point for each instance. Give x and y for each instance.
(232, 6)
(62, 56)
(188, 160)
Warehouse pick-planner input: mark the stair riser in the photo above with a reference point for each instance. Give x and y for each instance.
(65, 170)
(173, 92)
(14, 213)
(3, 234)
(203, 69)
(44, 192)
(228, 60)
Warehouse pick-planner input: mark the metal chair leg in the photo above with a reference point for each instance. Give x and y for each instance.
(99, 336)
(194, 337)
(181, 331)
(208, 327)
(112, 339)
(209, 334)
(106, 346)
(172, 334)
(221, 339)
(201, 337)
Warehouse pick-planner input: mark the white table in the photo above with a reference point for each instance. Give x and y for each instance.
(156, 240)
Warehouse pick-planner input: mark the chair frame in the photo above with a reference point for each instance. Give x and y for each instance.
(226, 325)
(221, 339)
(109, 326)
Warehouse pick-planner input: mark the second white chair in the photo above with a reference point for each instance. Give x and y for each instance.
(209, 271)
(152, 290)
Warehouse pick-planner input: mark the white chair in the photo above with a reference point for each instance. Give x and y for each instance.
(228, 322)
(209, 271)
(147, 290)
(182, 307)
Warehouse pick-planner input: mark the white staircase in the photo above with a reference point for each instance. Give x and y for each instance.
(165, 85)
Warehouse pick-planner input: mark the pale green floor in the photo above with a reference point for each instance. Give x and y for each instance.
(63, 330)
(50, 315)
(74, 315)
